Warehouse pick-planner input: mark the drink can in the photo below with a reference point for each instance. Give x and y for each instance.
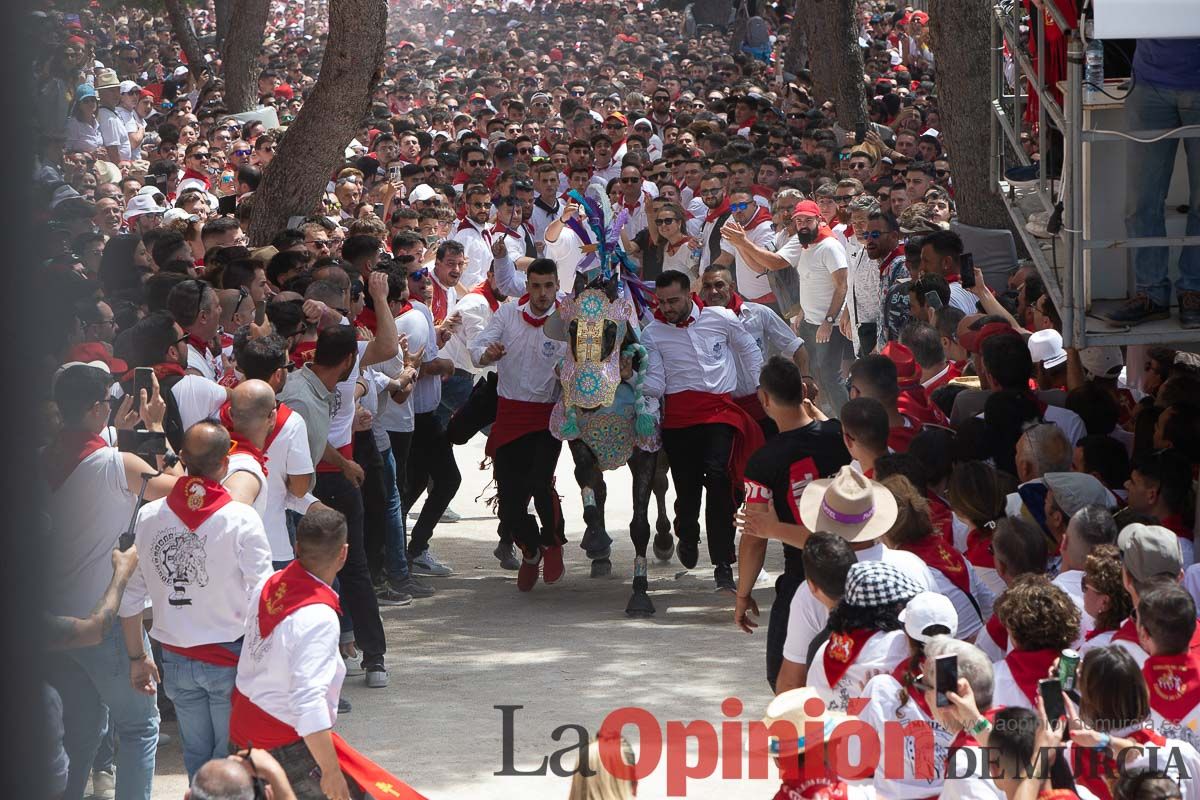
(1068, 665)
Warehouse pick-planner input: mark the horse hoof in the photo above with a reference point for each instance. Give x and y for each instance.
(595, 540)
(601, 567)
(639, 605)
(663, 526)
(664, 546)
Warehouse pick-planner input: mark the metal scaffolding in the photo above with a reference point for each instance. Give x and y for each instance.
(1063, 265)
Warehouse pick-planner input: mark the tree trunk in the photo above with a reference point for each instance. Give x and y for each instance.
(242, 45)
(185, 34)
(223, 11)
(838, 67)
(314, 144)
(797, 43)
(960, 31)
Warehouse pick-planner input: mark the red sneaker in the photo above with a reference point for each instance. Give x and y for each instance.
(527, 574)
(553, 569)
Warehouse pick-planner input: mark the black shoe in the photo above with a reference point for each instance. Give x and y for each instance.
(1189, 310)
(411, 586)
(689, 552)
(344, 706)
(390, 596)
(1138, 309)
(723, 574)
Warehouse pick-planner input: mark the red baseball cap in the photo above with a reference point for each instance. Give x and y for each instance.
(619, 117)
(973, 341)
(902, 357)
(807, 207)
(284, 90)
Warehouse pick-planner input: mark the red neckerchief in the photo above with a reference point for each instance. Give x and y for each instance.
(714, 213)
(631, 207)
(892, 256)
(194, 499)
(536, 322)
(842, 650)
(504, 230)
(303, 353)
(979, 549)
(1174, 683)
(489, 294)
(823, 233)
(899, 438)
(848, 232)
(243, 445)
(750, 122)
(200, 176)
(735, 303)
(1127, 632)
(760, 216)
(226, 341)
(902, 673)
(468, 225)
(367, 319)
(199, 344)
(162, 370)
(934, 552)
(1094, 632)
(672, 249)
(439, 304)
(658, 315)
(1056, 794)
(1175, 524)
(289, 590)
(1090, 768)
(404, 309)
(998, 633)
(941, 515)
(812, 789)
(1028, 667)
(66, 453)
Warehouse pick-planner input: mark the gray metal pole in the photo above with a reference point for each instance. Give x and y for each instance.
(1074, 314)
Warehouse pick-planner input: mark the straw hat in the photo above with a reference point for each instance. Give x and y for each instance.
(800, 707)
(849, 504)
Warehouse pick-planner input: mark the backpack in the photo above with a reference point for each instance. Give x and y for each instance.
(758, 35)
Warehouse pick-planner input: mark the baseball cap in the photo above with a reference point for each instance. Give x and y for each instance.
(141, 204)
(926, 610)
(1102, 361)
(421, 193)
(1149, 550)
(807, 208)
(130, 86)
(1074, 490)
(505, 149)
(1046, 347)
(973, 340)
(618, 116)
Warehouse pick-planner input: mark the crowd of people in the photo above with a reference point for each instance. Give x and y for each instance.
(811, 355)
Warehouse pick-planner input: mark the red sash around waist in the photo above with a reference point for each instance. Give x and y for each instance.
(514, 419)
(688, 408)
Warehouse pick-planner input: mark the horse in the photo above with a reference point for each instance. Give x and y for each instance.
(608, 423)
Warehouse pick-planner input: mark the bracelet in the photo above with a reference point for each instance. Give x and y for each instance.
(1105, 740)
(980, 726)
(138, 657)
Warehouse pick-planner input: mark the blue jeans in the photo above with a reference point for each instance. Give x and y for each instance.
(395, 528)
(202, 694)
(1148, 174)
(87, 680)
(455, 391)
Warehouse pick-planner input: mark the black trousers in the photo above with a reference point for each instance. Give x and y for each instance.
(525, 469)
(304, 774)
(430, 465)
(777, 624)
(358, 595)
(367, 456)
(699, 458)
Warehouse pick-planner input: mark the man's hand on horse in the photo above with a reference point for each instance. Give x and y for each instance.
(493, 353)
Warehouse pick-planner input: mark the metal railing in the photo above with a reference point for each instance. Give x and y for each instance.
(1066, 282)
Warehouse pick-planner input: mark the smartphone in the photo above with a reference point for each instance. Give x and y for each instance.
(932, 300)
(1052, 698)
(227, 204)
(860, 132)
(394, 173)
(966, 271)
(142, 442)
(143, 378)
(379, 210)
(946, 679)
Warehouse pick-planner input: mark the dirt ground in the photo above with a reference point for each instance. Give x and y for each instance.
(566, 653)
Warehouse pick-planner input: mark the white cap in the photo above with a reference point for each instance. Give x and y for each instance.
(926, 610)
(129, 86)
(180, 213)
(1046, 347)
(421, 193)
(1102, 361)
(179, 72)
(141, 204)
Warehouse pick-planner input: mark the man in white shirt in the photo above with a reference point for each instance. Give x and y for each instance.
(475, 235)
(941, 254)
(91, 493)
(547, 207)
(202, 555)
(694, 353)
(112, 127)
(750, 225)
(861, 511)
(290, 472)
(250, 419)
(1067, 494)
(823, 268)
(523, 450)
(196, 307)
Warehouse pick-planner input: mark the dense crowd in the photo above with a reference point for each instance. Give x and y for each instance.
(592, 223)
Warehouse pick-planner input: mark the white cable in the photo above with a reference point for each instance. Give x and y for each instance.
(1160, 137)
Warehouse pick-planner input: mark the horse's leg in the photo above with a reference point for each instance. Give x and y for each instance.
(642, 465)
(664, 542)
(596, 541)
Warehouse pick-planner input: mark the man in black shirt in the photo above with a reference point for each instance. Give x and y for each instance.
(808, 447)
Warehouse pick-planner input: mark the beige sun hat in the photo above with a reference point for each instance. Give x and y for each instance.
(849, 504)
(799, 707)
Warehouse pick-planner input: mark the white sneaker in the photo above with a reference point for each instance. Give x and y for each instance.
(1037, 223)
(449, 517)
(104, 785)
(764, 579)
(427, 564)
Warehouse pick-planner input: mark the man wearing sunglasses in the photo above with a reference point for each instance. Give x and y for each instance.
(747, 232)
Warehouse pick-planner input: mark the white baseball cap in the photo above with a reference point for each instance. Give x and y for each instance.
(421, 193)
(141, 204)
(926, 610)
(1102, 361)
(1046, 347)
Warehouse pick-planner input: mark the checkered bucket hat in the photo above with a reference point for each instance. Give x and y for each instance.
(873, 583)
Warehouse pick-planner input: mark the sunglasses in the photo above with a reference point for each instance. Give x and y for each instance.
(476, 163)
(420, 274)
(324, 243)
(872, 234)
(242, 152)
(657, 176)
(665, 221)
(942, 173)
(578, 94)
(631, 180)
(738, 206)
(844, 199)
(198, 155)
(525, 151)
(618, 126)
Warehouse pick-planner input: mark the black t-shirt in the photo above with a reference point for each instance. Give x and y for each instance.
(651, 255)
(787, 463)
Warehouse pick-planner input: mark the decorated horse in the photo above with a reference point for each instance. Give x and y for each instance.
(603, 414)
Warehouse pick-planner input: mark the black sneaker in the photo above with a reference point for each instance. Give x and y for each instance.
(724, 578)
(411, 586)
(1136, 310)
(689, 552)
(388, 596)
(344, 706)
(1189, 310)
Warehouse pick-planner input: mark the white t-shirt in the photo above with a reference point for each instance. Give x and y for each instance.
(244, 462)
(114, 133)
(1071, 582)
(287, 455)
(879, 656)
(419, 329)
(750, 284)
(808, 616)
(967, 778)
(816, 266)
(206, 364)
(884, 694)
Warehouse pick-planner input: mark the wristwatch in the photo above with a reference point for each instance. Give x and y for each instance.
(830, 320)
